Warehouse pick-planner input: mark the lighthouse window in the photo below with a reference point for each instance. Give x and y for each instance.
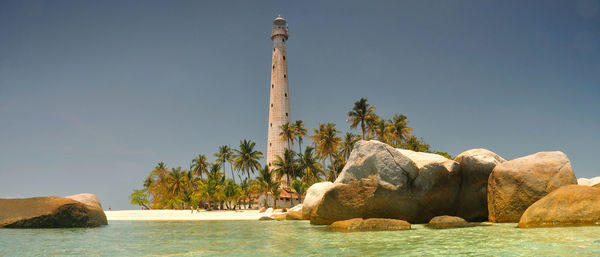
(284, 57)
(272, 86)
(286, 114)
(269, 144)
(283, 40)
(271, 105)
(285, 76)
(285, 94)
(273, 66)
(273, 49)
(271, 124)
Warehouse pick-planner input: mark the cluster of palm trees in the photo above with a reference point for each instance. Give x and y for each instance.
(205, 184)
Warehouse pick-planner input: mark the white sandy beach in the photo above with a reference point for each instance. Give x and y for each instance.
(184, 215)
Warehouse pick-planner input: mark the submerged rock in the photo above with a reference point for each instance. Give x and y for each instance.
(373, 224)
(448, 222)
(476, 166)
(383, 182)
(51, 212)
(516, 184)
(567, 206)
(264, 218)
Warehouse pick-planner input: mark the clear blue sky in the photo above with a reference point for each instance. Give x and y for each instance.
(94, 93)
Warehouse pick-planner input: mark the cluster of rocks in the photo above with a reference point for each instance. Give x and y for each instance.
(294, 213)
(82, 210)
(380, 181)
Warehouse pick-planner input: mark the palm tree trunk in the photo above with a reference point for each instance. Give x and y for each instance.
(362, 127)
(232, 176)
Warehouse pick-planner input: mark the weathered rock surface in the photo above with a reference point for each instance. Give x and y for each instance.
(278, 216)
(448, 222)
(294, 213)
(93, 204)
(380, 181)
(516, 184)
(476, 166)
(50, 212)
(314, 195)
(373, 224)
(567, 206)
(87, 199)
(588, 181)
(265, 218)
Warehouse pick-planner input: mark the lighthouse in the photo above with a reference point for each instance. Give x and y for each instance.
(279, 101)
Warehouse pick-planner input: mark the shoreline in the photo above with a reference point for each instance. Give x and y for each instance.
(149, 215)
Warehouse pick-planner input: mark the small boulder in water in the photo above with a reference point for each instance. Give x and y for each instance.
(448, 222)
(372, 224)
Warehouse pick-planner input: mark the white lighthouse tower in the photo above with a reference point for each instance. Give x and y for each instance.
(279, 104)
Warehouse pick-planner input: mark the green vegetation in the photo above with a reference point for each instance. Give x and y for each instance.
(205, 185)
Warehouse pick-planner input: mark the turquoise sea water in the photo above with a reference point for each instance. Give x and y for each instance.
(293, 238)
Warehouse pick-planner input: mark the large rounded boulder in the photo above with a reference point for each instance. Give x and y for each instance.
(476, 166)
(515, 185)
(380, 181)
(93, 204)
(567, 206)
(314, 195)
(49, 212)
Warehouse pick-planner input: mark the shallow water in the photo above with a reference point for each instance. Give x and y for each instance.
(296, 238)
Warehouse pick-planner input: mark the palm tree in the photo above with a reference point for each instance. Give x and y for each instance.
(245, 185)
(176, 181)
(300, 188)
(362, 114)
(211, 188)
(286, 166)
(157, 185)
(348, 143)
(246, 158)
(287, 133)
(380, 130)
(309, 166)
(275, 192)
(398, 129)
(336, 167)
(415, 144)
(264, 181)
(231, 192)
(300, 132)
(326, 140)
(225, 155)
(200, 165)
